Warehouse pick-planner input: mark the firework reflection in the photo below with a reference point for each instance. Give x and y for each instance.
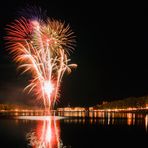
(46, 134)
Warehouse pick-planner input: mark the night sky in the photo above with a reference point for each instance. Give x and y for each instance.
(111, 53)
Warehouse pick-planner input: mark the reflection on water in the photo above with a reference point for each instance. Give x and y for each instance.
(78, 129)
(46, 134)
(108, 118)
(93, 117)
(146, 122)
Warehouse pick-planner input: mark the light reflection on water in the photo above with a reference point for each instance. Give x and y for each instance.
(146, 122)
(107, 118)
(78, 129)
(46, 134)
(96, 117)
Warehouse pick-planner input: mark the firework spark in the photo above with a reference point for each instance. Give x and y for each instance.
(42, 48)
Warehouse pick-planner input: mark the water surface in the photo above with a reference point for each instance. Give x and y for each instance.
(100, 130)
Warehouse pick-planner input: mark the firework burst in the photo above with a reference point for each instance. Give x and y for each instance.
(42, 48)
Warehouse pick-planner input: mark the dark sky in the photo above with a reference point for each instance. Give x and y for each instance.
(111, 53)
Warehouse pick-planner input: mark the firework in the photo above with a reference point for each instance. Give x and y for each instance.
(42, 48)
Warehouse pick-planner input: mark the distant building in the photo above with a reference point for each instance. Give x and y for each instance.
(91, 108)
(104, 102)
(72, 109)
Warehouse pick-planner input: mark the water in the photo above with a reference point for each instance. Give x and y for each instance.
(104, 129)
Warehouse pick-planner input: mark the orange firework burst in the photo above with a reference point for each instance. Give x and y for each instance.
(42, 48)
